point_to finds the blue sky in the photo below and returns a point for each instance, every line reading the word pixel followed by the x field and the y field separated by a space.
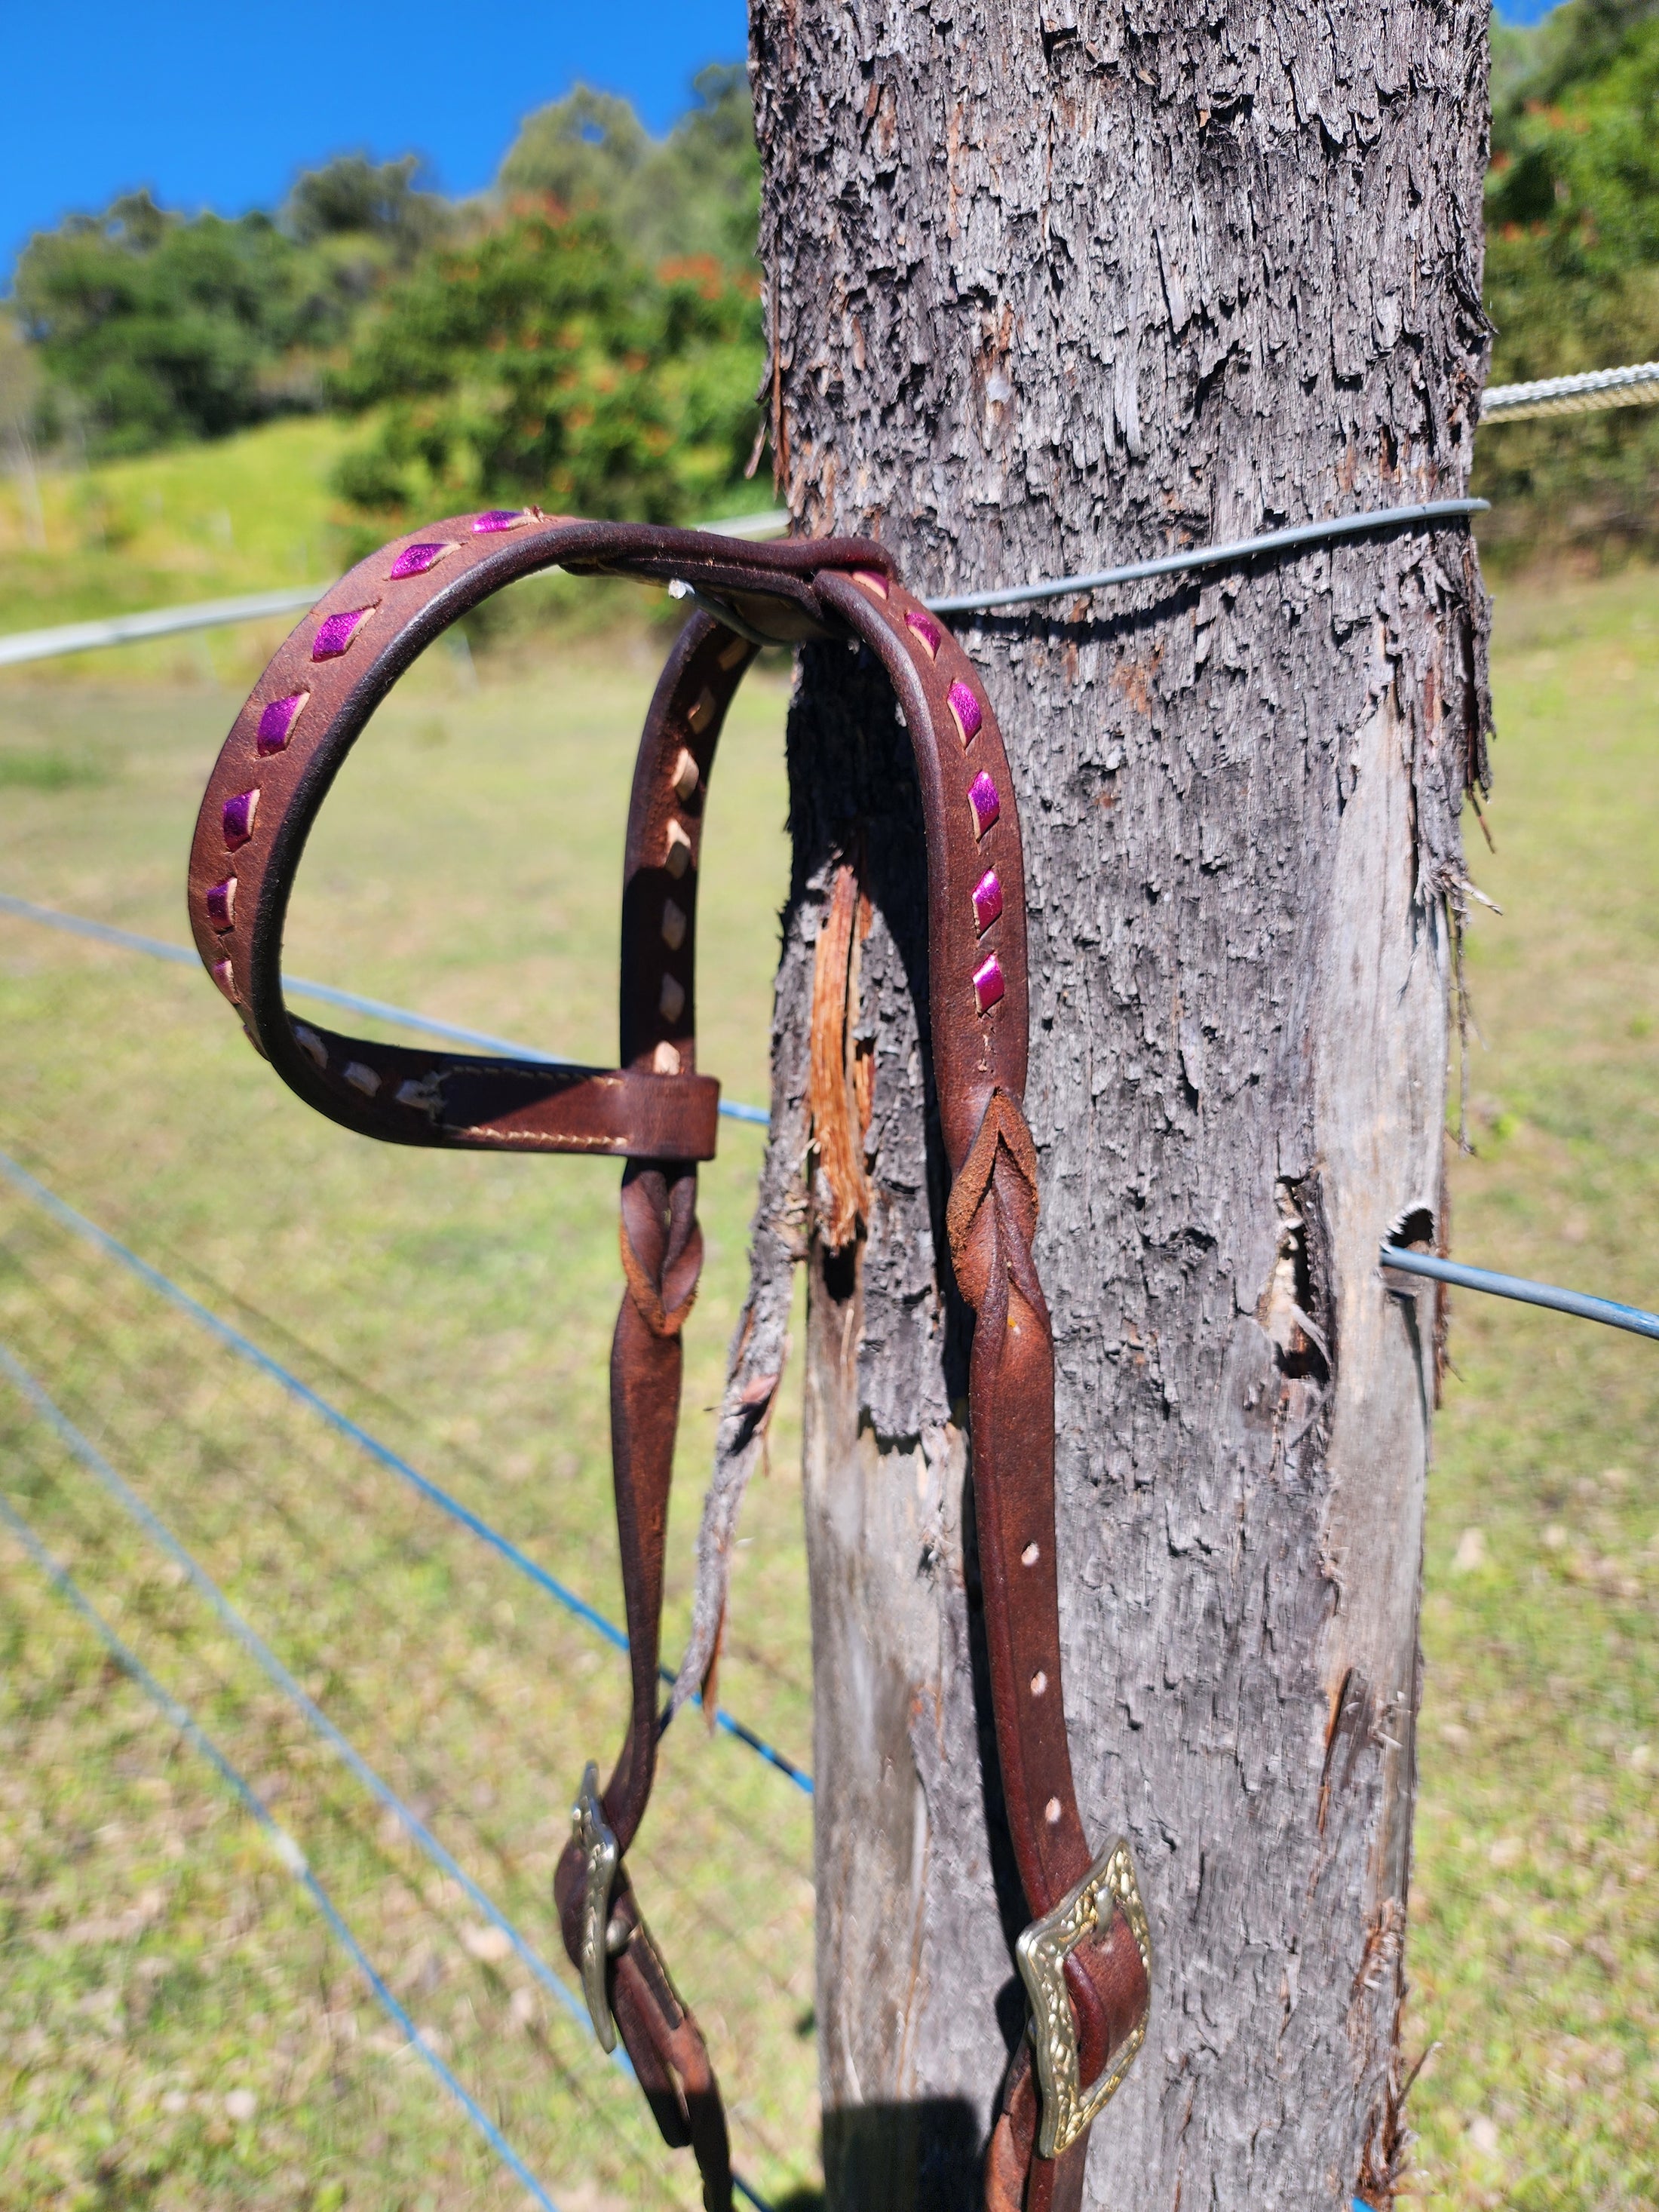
pixel 213 107
pixel 218 105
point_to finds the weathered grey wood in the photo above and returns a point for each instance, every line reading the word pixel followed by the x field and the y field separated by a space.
pixel 1055 284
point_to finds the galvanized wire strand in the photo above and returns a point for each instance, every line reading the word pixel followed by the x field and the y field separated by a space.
pixel 1591 394
pixel 17 647
pixel 22 645
pixel 1579 1302
pixel 80 637
pixel 298 987
pixel 254 1644
pixel 1231 555
pixel 90 1457
pixel 284 1848
pixel 245 1348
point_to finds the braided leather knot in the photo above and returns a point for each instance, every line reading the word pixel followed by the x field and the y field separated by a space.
pixel 661 1246
pixel 1001 1167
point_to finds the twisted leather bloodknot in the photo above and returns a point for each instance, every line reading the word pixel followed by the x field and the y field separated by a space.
pixel 661 1245
pixel 1002 1166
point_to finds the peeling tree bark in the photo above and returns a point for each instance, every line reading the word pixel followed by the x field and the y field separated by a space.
pixel 1056 284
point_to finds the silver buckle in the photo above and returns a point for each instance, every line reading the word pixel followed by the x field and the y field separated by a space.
pixel 601 1859
pixel 1042 1952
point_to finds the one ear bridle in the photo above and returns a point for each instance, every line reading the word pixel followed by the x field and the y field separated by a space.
pixel 1086 1957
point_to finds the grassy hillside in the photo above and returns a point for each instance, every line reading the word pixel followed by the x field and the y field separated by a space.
pixel 157 1966
pixel 248 513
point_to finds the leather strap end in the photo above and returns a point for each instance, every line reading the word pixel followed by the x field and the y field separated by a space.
pixel 663 2041
pixel 406 1096
pixel 672 2063
pixel 1015 2178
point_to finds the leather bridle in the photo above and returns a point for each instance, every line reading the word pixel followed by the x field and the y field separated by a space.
pixel 1085 1956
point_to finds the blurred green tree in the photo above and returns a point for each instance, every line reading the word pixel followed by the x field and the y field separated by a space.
pixel 151 327
pixel 539 361
pixel 696 192
pixel 1572 265
pixel 354 198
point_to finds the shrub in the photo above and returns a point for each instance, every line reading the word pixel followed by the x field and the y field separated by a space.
pixel 540 361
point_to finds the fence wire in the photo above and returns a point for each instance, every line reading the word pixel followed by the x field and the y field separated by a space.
pixel 233 1338
pixel 1591 393
pixel 82 1448
pixel 286 1852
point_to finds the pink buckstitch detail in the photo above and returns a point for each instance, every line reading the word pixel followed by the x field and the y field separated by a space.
pixel 336 633
pixel 987 901
pixel 238 817
pixel 416 560
pixel 925 629
pixel 982 798
pixel 276 723
pixel 987 984
pixel 965 711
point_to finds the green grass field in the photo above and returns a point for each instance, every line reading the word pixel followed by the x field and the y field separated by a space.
pixel 177 2028
pixel 462 1311
pixel 249 514
pixel 1535 1943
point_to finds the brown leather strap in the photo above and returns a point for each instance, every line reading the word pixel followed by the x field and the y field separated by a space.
pixel 1088 1967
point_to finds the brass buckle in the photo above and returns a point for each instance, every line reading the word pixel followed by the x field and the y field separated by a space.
pixel 1042 1951
pixel 601 1859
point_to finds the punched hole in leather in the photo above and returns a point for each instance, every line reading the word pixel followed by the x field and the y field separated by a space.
pixel 1086 1957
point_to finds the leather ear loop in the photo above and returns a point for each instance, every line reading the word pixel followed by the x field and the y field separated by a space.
pixel 321 686
pixel 407 1096
pixel 670 1118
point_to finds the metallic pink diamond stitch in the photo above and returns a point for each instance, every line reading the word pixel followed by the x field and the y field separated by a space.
pixel 416 560
pixel 988 900
pixel 982 798
pixel 276 723
pixel 238 817
pixel 987 984
pixel 335 633
pixel 966 708
pixel 500 518
pixel 221 903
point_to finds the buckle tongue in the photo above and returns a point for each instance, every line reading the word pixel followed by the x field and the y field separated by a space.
pixel 1041 1952
pixel 601 1859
